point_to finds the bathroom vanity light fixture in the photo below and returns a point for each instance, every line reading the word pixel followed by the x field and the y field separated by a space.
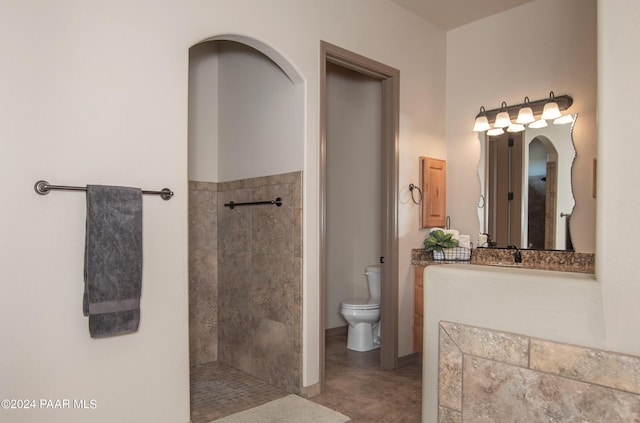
pixel 525 113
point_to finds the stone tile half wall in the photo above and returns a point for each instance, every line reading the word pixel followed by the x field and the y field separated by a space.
pixel 492 376
pixel 203 272
pixel 260 279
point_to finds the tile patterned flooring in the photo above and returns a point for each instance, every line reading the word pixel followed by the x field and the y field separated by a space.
pixel 355 386
pixel 358 387
pixel 218 390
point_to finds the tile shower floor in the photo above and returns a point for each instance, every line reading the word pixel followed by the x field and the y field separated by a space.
pixel 355 386
pixel 218 390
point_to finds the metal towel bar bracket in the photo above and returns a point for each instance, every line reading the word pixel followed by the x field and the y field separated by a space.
pixel 44 187
pixel 277 202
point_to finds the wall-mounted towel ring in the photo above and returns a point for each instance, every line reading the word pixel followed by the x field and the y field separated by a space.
pixel 411 188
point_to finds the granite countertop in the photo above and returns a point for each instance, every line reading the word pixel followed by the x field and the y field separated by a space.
pixel 561 261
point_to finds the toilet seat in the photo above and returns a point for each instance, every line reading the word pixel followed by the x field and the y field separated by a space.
pixel 361 304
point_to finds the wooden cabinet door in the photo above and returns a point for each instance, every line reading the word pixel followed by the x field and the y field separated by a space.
pixel 433 180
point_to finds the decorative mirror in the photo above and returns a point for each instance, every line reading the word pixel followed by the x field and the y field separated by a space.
pixel 526 192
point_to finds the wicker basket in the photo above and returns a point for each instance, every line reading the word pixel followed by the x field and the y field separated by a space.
pixel 452 254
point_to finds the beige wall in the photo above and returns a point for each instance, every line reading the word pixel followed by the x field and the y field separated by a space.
pixel 541 46
pixel 617 265
pixel 261 116
pixel 245 112
pixel 98 93
pixel 203 112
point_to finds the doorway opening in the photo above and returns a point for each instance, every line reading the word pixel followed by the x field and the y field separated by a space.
pixel 542 193
pixel 504 171
pixel 246 123
pixel 389 79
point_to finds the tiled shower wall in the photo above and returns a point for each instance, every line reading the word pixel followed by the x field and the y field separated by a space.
pixel 492 376
pixel 203 272
pixel 257 256
pixel 260 279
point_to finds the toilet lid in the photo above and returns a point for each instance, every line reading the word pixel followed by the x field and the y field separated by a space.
pixel 361 304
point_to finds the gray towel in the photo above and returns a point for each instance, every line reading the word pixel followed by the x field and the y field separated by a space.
pixel 113 260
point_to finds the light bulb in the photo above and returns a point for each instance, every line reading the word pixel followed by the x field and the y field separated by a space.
pixel 502 120
pixel 482 124
pixel 525 115
pixel 551 111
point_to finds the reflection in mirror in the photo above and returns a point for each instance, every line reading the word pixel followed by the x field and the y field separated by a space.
pixel 526 193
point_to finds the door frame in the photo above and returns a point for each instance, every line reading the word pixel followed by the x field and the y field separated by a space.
pixel 390 79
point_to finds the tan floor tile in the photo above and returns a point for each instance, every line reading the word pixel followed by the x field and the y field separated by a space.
pixel 356 386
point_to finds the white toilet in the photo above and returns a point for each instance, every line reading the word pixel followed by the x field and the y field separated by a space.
pixel 363 315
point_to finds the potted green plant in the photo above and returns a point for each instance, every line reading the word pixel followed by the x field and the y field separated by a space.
pixel 437 241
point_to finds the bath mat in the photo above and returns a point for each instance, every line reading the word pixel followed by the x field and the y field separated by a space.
pixel 289 409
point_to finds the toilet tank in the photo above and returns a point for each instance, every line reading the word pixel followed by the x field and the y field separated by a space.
pixel 373 280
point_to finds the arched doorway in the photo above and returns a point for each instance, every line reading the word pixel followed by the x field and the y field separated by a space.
pixel 246 132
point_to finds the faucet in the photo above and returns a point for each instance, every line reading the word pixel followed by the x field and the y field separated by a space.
pixel 517 255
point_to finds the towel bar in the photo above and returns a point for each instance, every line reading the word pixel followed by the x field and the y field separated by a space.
pixel 44 187
pixel 277 202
